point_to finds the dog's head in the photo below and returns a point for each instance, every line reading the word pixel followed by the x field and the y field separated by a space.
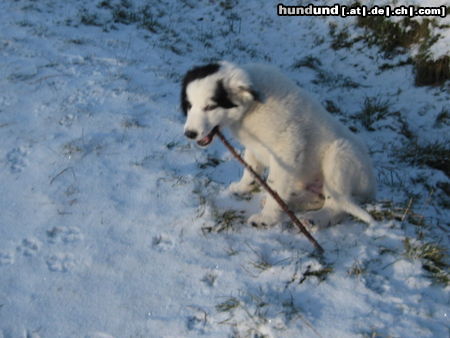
pixel 213 96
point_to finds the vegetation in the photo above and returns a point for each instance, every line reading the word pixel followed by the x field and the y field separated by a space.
pixel 399 37
pixel 435 155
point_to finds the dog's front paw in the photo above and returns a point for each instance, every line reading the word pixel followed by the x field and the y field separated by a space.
pixel 240 188
pixel 262 221
pixel 322 218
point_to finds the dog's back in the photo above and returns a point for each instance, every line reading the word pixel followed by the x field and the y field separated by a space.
pixel 290 120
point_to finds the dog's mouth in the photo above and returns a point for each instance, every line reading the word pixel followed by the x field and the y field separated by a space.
pixel 208 138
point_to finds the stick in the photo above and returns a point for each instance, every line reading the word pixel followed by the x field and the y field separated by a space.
pixel 272 192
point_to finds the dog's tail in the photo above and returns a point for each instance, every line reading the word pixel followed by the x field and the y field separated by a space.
pixel 354 209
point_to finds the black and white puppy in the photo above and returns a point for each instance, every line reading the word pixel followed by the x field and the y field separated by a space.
pixel 313 161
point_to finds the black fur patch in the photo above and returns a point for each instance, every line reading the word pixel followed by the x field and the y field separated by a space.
pixel 221 96
pixel 195 73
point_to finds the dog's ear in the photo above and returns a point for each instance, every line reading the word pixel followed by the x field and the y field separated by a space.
pixel 248 93
pixel 239 86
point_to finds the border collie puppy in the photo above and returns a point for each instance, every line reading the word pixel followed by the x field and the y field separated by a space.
pixel 314 162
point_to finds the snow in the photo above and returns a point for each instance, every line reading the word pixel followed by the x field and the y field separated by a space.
pixel 108 223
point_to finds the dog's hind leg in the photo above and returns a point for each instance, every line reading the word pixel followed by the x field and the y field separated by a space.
pixel 334 210
pixel 345 177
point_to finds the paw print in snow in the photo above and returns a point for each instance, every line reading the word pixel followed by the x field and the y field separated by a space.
pixel 197 321
pixel 162 243
pixel 65 235
pixel 61 262
pixel 209 279
pixel 6 258
pixel 29 247
pixel 17 159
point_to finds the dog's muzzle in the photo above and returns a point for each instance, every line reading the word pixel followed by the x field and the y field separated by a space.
pixel 204 141
pixel 190 134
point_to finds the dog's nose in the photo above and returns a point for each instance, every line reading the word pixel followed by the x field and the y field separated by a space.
pixel 190 134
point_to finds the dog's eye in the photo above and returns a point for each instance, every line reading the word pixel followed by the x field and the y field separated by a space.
pixel 186 106
pixel 210 107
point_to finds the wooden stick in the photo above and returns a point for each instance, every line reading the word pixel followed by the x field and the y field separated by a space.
pixel 272 192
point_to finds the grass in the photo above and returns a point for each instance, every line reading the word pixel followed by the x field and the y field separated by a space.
pixel 253 314
pixel 357 269
pixel 179 146
pixel 263 263
pixel 123 12
pixel 77 41
pixel 211 162
pixel 321 274
pixel 72 148
pixel 399 37
pixel 323 76
pixel 334 80
pixel 435 155
pixel 389 211
pixel 374 109
pixel 231 251
pixel 228 305
pixel 290 310
pixel 332 108
pixel 89 19
pixel 254 311
pixel 340 38
pixel 443 118
pixel 432 257
pixel 431 72
pixel 387 65
pixel 227 4
pixel 128 123
pixel 225 221
pixel 308 62
pixel 394 37
pixel 444 195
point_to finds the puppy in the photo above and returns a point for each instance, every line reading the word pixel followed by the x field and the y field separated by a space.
pixel 313 161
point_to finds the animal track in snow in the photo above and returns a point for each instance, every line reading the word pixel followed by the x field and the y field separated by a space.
pixel 162 243
pixel 209 279
pixel 18 332
pixel 6 258
pixel 67 120
pixel 61 262
pixel 64 234
pixel 6 101
pixel 17 159
pixel 29 247
pixel 197 321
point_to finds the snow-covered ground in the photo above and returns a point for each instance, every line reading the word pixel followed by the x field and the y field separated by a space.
pixel 112 224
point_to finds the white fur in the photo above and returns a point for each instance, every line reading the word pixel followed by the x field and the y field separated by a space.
pixel 311 158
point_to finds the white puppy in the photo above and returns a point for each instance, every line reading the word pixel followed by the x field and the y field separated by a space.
pixel 313 161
